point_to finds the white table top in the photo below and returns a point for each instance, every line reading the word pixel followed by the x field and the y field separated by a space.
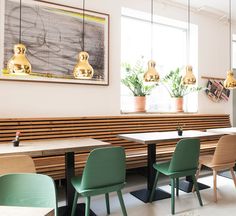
pixel 46 147
pixel 231 130
pixel 155 137
pixel 25 211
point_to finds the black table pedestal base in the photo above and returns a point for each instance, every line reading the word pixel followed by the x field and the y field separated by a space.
pixel 144 195
pixel 187 186
pixel 80 210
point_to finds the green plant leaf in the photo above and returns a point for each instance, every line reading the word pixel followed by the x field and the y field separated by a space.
pixel 133 78
pixel 173 83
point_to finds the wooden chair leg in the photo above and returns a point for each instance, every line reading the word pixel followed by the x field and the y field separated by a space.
pixel 197 175
pixel 154 187
pixel 172 195
pixel 215 184
pixel 87 208
pixel 74 204
pixel 233 176
pixel 197 190
pixel 198 171
pixel 177 186
pixel 107 203
pixel 122 203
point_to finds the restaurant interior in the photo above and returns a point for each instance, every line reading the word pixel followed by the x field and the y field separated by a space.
pixel 122 107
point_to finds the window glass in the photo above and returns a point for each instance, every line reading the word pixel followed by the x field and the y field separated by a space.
pixel 169 53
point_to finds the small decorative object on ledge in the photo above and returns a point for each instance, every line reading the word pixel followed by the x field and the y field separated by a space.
pixel 16 141
pixel 216 91
pixel 180 129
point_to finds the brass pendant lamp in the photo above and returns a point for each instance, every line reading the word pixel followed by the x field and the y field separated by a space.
pixel 230 82
pixel 189 78
pixel 151 75
pixel 18 63
pixel 83 70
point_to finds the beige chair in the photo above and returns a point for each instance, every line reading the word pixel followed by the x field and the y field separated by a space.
pixel 224 158
pixel 16 164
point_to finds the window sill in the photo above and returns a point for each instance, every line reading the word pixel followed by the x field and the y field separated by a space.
pixel 158 113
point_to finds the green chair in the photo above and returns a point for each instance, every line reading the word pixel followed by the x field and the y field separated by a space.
pixel 28 190
pixel 183 163
pixel 104 172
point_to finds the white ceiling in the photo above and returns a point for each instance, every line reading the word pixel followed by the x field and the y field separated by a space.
pixel 218 8
pixel 217 5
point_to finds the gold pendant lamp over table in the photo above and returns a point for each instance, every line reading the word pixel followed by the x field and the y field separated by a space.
pixel 83 70
pixel 19 64
pixel 151 75
pixel 189 78
pixel 230 82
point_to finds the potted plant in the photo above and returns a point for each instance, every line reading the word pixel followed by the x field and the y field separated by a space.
pixel 134 81
pixel 180 128
pixel 177 90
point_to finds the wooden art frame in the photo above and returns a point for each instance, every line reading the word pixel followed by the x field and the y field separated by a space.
pixel 52 34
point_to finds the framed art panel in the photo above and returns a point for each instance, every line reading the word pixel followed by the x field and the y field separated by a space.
pixel 52 34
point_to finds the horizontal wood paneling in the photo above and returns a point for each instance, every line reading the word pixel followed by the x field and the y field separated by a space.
pixel 106 128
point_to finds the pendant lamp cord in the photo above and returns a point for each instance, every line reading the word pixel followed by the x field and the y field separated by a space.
pixel 83 26
pixel 230 36
pixel 20 24
pixel 188 33
pixel 152 28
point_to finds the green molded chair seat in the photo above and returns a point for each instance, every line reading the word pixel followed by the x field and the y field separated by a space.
pixel 104 172
pixel 76 182
pixel 183 163
pixel 28 190
pixel 164 168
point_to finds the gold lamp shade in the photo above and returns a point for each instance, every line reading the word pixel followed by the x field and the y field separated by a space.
pixel 19 64
pixel 151 75
pixel 189 78
pixel 230 82
pixel 83 70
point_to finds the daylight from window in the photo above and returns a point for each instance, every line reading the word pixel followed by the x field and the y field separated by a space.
pixel 234 52
pixel 169 53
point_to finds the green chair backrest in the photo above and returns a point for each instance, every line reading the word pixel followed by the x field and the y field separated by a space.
pixel 186 155
pixel 28 190
pixel 104 167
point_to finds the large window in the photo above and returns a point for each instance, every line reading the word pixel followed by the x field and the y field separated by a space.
pixel 169 52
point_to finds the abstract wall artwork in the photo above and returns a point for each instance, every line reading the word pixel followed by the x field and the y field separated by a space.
pixel 52 34
pixel 216 91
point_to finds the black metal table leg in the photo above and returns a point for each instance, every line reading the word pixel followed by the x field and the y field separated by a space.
pixel 70 191
pixel 144 194
pixel 69 172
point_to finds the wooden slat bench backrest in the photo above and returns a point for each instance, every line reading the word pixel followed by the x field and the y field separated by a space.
pixel 106 128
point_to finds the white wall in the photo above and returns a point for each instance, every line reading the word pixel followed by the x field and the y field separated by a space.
pixel 24 99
